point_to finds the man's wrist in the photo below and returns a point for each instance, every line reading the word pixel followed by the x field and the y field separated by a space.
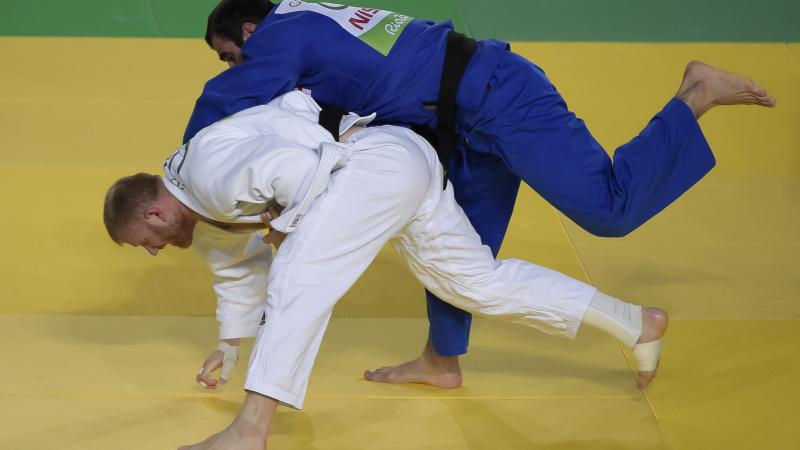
pixel 231 342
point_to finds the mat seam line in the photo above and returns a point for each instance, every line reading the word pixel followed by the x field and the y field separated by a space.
pixel 204 396
pixel 153 16
pixel 467 28
pixel 572 246
pixel 792 56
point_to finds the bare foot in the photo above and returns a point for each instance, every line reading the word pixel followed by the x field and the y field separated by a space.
pixel 704 87
pixel 248 431
pixel 230 439
pixel 654 325
pixel 430 368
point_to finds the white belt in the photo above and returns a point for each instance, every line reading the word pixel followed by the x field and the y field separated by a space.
pixel 332 156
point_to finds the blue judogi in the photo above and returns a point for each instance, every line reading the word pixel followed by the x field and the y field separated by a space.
pixel 512 123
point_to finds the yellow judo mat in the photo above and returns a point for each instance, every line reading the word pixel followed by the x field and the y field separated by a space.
pixel 101 343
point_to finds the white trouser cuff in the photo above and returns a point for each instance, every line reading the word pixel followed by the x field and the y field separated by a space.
pixel 284 397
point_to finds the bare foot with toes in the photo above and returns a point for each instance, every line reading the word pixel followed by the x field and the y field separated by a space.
pixel 430 368
pixel 704 87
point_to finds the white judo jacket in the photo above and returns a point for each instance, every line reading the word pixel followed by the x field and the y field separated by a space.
pixel 229 172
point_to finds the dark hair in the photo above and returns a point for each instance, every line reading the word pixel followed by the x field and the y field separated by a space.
pixel 227 18
pixel 126 199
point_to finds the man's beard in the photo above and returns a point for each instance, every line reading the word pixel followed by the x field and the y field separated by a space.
pixel 179 233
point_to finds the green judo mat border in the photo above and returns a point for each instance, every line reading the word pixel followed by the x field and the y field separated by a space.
pixel 513 20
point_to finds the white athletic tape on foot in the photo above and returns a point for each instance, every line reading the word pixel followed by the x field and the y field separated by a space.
pixel 647 355
pixel 615 317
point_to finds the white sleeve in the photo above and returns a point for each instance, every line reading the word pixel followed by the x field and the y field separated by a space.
pixel 240 265
pixel 228 175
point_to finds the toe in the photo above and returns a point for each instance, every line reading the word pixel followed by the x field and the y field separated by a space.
pixel 645 378
pixel 759 91
pixel 380 374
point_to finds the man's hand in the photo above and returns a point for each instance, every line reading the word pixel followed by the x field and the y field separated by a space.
pixel 225 356
pixel 274 236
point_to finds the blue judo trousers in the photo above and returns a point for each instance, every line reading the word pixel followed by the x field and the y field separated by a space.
pixel 512 124
pixel 523 130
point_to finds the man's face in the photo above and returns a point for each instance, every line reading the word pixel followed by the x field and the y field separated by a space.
pixel 228 51
pixel 159 229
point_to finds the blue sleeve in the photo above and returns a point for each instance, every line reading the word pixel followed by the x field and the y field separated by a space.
pixel 260 79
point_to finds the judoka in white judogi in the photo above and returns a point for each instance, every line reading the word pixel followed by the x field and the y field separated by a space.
pixel 342 202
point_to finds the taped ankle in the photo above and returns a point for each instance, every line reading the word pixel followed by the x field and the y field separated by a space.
pixel 615 317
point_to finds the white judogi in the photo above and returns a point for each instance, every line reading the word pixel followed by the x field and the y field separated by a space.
pixel 343 202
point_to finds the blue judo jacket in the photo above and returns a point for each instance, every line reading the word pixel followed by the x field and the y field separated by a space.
pixel 363 60
pixel 512 122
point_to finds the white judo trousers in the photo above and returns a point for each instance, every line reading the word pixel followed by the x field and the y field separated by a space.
pixel 391 190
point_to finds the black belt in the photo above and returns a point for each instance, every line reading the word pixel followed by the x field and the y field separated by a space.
pixel 456 57
pixel 330 117
pixel 459 50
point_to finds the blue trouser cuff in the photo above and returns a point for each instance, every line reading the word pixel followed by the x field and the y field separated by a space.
pixel 449 327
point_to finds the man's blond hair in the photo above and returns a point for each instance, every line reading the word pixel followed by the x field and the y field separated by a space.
pixel 126 201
